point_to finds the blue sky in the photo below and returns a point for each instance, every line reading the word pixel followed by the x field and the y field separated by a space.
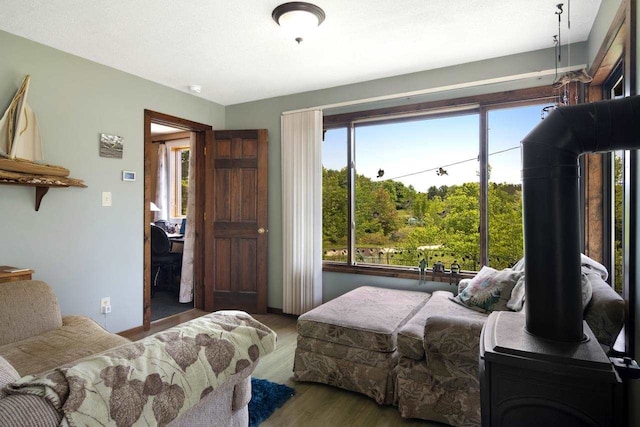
pixel 405 148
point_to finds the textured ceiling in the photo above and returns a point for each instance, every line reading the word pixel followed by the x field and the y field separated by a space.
pixel 237 53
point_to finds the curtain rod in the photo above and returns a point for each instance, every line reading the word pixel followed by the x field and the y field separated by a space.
pixel 475 83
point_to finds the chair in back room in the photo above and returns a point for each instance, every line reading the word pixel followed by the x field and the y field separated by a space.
pixel 162 259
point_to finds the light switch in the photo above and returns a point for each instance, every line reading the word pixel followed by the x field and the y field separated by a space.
pixel 106 198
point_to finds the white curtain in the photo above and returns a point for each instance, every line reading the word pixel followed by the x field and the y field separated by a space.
pixel 162 185
pixel 186 277
pixel 302 211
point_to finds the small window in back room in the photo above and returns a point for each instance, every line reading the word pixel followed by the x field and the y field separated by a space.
pixel 179 177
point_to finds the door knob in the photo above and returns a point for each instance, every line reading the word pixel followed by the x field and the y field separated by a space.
pixel 261 230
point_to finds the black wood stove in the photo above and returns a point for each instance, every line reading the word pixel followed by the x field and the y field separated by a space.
pixel 548 369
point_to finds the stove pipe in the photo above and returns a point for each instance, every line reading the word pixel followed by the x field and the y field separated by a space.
pixel 551 207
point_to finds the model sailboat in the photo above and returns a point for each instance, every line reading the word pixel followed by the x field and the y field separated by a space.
pixel 21 146
pixel 19 133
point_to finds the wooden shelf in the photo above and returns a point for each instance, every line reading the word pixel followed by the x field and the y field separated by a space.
pixel 23 172
pixel 12 274
pixel 41 188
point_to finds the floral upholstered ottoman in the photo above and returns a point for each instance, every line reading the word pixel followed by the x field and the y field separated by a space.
pixel 351 342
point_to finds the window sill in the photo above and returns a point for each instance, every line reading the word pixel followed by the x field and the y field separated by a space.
pixel 397 272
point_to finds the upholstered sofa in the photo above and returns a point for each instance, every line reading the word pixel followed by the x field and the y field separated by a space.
pixel 439 380
pixel 35 337
pixel 196 374
pixel 419 351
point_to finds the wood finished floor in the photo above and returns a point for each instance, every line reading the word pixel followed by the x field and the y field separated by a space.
pixel 314 405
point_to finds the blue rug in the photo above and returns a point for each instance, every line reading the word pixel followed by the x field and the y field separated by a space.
pixel 266 397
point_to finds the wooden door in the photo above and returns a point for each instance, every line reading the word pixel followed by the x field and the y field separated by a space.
pixel 235 242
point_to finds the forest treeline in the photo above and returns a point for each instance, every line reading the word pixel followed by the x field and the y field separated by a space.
pixel 395 224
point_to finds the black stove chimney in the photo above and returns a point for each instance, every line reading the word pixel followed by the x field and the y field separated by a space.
pixel 551 207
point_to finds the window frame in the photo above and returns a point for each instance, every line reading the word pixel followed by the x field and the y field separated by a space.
pixel 479 104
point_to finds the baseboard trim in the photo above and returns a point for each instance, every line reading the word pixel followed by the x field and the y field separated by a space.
pixel 273 310
pixel 131 332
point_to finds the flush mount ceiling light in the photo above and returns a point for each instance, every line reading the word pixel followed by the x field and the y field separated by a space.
pixel 298 18
pixel 195 88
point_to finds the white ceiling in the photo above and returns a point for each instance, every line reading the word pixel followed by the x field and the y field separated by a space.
pixel 237 53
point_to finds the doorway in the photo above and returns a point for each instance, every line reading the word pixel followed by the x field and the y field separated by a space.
pixel 169 158
pixel 164 233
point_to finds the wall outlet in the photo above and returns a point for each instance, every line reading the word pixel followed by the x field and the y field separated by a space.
pixel 105 305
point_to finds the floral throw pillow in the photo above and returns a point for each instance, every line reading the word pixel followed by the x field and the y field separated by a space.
pixel 490 290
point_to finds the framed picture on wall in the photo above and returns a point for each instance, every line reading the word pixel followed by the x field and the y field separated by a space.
pixel 111 146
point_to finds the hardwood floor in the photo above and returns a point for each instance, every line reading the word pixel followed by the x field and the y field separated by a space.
pixel 314 405
pixel 317 404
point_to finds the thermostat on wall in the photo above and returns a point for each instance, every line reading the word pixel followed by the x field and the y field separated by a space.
pixel 128 176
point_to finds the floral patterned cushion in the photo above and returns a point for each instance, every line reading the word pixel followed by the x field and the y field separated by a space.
pixel 366 317
pixel 489 290
pixel 411 335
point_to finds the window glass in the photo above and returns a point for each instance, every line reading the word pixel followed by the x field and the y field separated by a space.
pixel 415 186
pixel 179 177
pixel 184 181
pixel 618 158
pixel 507 128
pixel 416 192
pixel 335 205
pixel 618 215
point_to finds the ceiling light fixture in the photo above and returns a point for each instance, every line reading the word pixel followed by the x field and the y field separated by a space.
pixel 195 88
pixel 298 18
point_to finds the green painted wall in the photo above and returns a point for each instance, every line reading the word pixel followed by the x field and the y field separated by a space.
pixel 83 250
pixel 266 114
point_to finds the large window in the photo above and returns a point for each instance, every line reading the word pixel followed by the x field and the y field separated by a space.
pixel 406 191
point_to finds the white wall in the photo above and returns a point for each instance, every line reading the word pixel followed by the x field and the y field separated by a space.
pixel 83 250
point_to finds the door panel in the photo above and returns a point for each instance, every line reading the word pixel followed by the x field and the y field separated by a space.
pixel 248 257
pixel 223 270
pixel 248 186
pixel 235 232
pixel 222 187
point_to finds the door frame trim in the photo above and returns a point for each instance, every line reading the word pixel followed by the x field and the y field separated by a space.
pixel 200 130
